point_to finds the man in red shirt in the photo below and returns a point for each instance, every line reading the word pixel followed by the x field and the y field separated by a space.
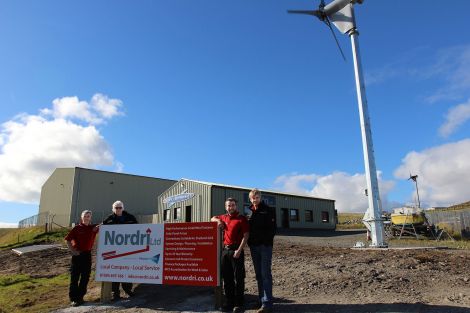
pixel 236 233
pixel 80 241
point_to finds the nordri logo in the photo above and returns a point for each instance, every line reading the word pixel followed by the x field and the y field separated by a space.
pixel 111 238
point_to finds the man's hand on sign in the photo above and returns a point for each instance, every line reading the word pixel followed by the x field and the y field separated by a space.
pixel 221 224
pixel 237 253
pixel 97 227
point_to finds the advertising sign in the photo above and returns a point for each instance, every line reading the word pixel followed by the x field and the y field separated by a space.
pixel 190 254
pixel 175 254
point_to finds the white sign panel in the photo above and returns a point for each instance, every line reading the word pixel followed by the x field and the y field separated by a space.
pixel 178 198
pixel 130 253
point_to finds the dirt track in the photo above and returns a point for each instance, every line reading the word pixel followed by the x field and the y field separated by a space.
pixel 313 272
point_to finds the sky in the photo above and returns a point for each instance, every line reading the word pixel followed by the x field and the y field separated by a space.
pixel 235 92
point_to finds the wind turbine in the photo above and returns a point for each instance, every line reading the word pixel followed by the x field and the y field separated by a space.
pixel 341 14
pixel 415 179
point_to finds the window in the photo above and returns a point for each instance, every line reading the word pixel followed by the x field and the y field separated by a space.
pixel 308 215
pixel 246 198
pixel 177 214
pixel 166 215
pixel 294 215
pixel 269 200
pixel 325 217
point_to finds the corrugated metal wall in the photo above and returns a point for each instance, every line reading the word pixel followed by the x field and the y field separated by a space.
pixel 200 203
pixel 302 205
pixel 69 191
pixel 56 195
pixel 317 206
pixel 97 191
pixel 220 194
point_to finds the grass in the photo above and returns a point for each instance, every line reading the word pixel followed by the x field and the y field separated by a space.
pixel 4 231
pixel 350 221
pixel 18 237
pixel 411 242
pixel 22 293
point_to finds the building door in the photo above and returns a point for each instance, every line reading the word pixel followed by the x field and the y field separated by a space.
pixel 285 218
pixel 188 215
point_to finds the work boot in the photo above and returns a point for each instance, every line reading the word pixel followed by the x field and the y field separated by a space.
pixel 264 309
pixel 116 298
pixel 238 309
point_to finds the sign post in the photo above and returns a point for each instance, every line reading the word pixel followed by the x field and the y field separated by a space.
pixel 218 294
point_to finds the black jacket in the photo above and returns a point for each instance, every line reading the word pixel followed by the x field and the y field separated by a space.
pixel 126 218
pixel 262 225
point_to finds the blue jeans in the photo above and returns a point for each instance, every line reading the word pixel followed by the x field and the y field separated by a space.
pixel 262 259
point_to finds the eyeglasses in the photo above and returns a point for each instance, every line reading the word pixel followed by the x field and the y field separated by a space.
pixel 118 207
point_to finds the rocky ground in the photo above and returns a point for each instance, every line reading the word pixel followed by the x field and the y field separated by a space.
pixel 312 271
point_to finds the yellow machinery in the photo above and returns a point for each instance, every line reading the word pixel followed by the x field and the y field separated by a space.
pixel 407 216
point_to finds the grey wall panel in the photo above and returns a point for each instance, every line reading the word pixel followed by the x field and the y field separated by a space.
pixel 220 194
pixel 302 204
pixel 316 205
pixel 200 203
pixel 56 195
pixel 97 191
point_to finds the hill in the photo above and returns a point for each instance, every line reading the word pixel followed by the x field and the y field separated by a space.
pixel 461 206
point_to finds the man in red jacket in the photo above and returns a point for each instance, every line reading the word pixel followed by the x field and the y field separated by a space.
pixel 236 235
pixel 80 241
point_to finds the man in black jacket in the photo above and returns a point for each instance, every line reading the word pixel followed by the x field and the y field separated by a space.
pixel 262 220
pixel 120 216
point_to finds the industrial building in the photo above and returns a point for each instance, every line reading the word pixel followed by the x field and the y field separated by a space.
pixel 195 201
pixel 69 191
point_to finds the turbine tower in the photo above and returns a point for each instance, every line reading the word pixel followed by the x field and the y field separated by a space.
pixel 341 14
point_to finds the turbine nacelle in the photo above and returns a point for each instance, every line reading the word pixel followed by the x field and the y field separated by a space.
pixel 339 13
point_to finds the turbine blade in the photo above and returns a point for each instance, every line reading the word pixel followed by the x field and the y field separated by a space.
pixel 328 23
pixel 316 13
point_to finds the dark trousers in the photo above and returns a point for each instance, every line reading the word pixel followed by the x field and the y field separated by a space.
pixel 115 288
pixel 79 275
pixel 233 275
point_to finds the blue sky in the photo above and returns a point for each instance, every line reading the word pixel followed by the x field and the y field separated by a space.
pixel 234 92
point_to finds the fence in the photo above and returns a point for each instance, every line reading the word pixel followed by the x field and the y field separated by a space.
pixel 62 220
pixel 456 221
pixel 46 219
pixel 40 219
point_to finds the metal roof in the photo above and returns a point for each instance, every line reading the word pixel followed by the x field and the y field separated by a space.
pixel 249 189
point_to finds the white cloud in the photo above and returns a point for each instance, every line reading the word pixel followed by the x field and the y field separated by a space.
pixel 450 67
pixel 96 112
pixel 346 189
pixel 106 107
pixel 443 173
pixel 8 225
pixel 33 146
pixel 455 117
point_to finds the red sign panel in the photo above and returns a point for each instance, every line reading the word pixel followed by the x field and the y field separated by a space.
pixel 191 254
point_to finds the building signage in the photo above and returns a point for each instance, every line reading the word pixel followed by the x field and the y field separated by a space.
pixel 174 254
pixel 178 198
